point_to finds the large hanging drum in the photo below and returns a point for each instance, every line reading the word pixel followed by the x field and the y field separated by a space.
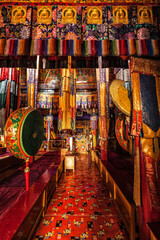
pixel 24 132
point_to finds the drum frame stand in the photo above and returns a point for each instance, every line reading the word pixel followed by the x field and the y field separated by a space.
pixel 26 171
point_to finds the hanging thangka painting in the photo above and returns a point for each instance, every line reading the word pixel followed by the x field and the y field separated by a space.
pixel 130 23
pixel 69 29
pixel 2 28
pixel 44 30
pixel 121 21
pixel 69 22
pixel 49 79
pixel 146 29
pixel 95 26
pixel 18 30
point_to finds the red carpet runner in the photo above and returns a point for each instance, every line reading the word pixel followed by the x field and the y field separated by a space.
pixel 81 208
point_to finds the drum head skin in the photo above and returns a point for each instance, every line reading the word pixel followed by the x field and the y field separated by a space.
pixel 32 131
pixel 24 132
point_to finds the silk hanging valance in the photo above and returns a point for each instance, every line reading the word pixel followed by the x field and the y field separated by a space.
pixel 63 30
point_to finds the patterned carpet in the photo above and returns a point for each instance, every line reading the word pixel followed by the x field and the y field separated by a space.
pixel 81 208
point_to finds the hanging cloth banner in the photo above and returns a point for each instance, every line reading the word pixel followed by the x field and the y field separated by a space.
pixel 102 75
pixel 80 30
pixel 95 31
pixel 67 101
pixel 69 30
pixel 18 29
pixel 44 30
pixel 2 29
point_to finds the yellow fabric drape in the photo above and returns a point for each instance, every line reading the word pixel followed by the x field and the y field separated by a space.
pixel 135 131
pixel 67 100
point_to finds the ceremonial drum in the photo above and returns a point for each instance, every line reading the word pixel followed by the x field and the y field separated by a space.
pixel 24 132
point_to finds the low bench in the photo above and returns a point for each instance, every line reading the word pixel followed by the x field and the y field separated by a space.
pixel 119 182
pixel 22 219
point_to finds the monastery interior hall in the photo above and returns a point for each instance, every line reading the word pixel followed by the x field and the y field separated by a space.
pixel 80 119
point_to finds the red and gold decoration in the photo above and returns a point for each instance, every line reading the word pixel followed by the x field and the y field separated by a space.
pixel 75 30
pixel 44 30
pixel 18 28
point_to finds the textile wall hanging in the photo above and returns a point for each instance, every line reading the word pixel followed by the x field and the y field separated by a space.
pixel 44 30
pixel 102 75
pixel 69 28
pixel 67 101
pixel 2 29
pixel 18 29
pixel 95 31
pixel 32 87
pixel 9 93
pixel 147 32
pixel 121 30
